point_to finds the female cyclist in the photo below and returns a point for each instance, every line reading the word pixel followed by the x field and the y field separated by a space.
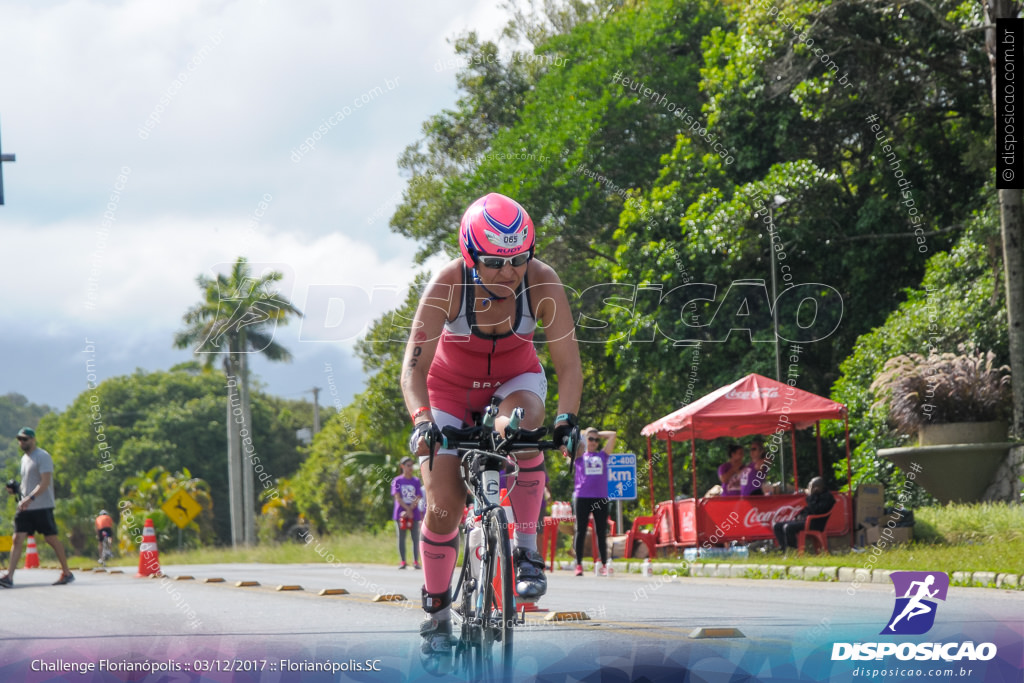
pixel 471 340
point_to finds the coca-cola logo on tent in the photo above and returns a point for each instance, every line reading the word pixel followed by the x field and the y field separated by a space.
pixel 769 392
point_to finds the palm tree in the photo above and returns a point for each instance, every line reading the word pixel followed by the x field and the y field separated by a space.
pixel 237 317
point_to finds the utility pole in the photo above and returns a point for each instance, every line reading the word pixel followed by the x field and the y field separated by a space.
pixel 316 410
pixel 3 158
pixel 777 201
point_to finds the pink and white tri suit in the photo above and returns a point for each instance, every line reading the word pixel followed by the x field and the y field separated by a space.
pixel 469 367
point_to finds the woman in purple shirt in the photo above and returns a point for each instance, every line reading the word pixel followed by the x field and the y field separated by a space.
pixel 590 496
pixel 407 492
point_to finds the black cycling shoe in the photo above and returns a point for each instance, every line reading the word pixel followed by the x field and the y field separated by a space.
pixel 530 579
pixel 436 652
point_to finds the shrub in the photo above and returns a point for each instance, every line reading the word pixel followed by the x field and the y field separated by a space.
pixel 941 388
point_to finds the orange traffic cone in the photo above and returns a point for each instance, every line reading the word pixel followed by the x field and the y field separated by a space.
pixel 149 556
pixel 31 554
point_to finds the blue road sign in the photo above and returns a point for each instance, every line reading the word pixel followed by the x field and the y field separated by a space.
pixel 621 476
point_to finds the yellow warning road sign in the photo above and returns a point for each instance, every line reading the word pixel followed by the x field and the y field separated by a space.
pixel 181 508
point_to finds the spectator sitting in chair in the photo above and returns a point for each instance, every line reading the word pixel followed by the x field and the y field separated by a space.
pixel 819 501
pixel 729 471
pixel 752 484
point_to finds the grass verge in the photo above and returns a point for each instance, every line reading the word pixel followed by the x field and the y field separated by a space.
pixel 356 548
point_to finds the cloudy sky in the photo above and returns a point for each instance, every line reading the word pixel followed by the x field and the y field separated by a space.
pixel 158 141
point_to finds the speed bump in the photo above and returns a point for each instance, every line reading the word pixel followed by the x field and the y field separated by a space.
pixel 567 616
pixel 289 587
pixel 243 584
pixel 333 591
pixel 213 579
pixel 117 571
pixel 389 597
pixel 704 632
pixel 184 577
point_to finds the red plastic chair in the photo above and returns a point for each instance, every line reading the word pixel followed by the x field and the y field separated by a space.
pixel 818 536
pixel 648 538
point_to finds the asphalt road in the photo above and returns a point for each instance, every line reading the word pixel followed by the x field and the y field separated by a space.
pixel 638 627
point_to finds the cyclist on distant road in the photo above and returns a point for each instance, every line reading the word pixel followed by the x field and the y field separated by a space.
pixel 472 338
pixel 104 529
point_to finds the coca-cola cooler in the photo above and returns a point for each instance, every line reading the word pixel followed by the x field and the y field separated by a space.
pixel 723 519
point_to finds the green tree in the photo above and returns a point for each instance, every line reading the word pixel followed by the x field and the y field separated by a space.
pixel 634 199
pixel 75 519
pixel 280 519
pixel 237 316
pixel 16 411
pixel 1012 231
pixel 959 302
pixel 172 418
pixel 142 497
pixel 344 483
pixel 576 124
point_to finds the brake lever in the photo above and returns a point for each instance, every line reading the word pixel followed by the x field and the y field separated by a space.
pixel 431 443
pixel 571 448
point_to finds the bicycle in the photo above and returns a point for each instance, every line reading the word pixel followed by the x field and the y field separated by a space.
pixel 106 552
pixel 486 584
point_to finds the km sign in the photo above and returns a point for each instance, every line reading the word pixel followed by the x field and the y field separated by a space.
pixel 621 476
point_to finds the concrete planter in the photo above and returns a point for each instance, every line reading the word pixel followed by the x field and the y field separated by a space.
pixel 962 432
pixel 955 462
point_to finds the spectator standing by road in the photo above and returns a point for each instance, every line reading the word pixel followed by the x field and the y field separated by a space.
pixel 590 496
pixel 35 509
pixel 407 492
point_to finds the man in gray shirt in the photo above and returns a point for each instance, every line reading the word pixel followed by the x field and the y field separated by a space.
pixel 35 509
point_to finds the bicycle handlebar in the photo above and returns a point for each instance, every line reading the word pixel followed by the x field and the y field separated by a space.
pixel 480 438
pixel 484 437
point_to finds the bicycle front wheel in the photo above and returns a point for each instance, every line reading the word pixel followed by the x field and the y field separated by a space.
pixel 499 601
pixel 465 598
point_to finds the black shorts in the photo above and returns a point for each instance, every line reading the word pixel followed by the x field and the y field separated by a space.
pixel 105 532
pixel 35 522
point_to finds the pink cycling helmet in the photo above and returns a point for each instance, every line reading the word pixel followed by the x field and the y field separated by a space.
pixel 495 225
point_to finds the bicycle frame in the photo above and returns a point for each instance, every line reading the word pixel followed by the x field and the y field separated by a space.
pixel 106 550
pixel 488 608
pixel 487 604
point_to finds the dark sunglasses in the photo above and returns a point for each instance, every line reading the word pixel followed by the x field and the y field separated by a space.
pixel 592 438
pixel 23 438
pixel 497 262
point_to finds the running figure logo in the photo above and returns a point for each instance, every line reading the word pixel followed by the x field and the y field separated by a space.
pixel 914 612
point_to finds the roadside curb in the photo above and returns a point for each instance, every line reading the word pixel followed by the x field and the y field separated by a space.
pixel 826 574
pixel 860 575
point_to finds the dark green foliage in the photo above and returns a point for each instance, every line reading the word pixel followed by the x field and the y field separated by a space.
pixel 960 302
pixel 16 412
pixel 174 419
pixel 878 153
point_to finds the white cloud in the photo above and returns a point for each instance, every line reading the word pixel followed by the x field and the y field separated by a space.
pixel 143 276
pixel 80 78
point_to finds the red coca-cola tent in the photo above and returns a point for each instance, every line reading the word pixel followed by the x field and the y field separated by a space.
pixel 753 405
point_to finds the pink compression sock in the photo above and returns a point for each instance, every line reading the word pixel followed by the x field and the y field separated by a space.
pixel 439 552
pixel 527 498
